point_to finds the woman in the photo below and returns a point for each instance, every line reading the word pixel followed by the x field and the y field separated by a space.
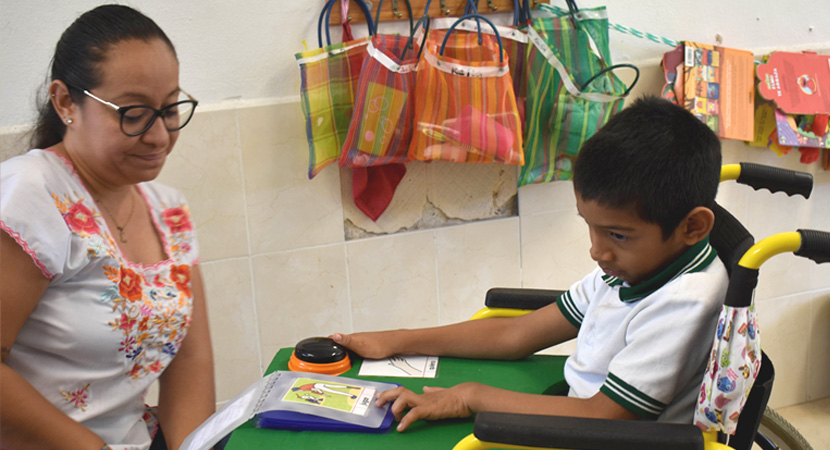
pixel 100 293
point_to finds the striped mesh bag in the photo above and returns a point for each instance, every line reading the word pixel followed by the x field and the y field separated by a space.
pixel 571 90
pixel 381 125
pixel 514 41
pixel 467 108
pixel 328 80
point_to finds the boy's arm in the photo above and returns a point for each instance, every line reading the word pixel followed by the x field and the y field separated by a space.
pixel 466 399
pixel 497 338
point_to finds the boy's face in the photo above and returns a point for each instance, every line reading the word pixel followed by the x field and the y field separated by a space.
pixel 626 246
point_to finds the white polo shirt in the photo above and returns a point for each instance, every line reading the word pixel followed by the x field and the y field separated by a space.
pixel 646 346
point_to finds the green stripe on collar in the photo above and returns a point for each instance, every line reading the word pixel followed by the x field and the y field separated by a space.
pixel 695 259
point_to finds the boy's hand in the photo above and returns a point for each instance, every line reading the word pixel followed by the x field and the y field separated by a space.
pixel 435 403
pixel 373 345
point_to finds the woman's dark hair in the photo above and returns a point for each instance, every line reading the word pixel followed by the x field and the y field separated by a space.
pixel 654 157
pixel 78 54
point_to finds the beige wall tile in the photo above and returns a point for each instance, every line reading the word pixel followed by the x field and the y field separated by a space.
pixel 393 282
pixel 555 250
pixel 785 337
pixel 13 144
pixel 300 294
pixel 547 197
pixel 818 366
pixel 286 210
pixel 232 325
pixel 472 259
pixel 205 165
pixel 820 203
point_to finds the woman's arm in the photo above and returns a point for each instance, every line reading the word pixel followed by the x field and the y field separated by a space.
pixel 498 338
pixel 187 392
pixel 27 419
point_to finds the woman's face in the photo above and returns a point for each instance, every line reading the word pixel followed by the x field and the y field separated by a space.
pixel 134 72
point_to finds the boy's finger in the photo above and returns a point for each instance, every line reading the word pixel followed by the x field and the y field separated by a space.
pixel 412 416
pixel 390 395
pixel 342 339
pixel 405 400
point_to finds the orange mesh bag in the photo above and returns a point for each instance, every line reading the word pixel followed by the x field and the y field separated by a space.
pixel 467 110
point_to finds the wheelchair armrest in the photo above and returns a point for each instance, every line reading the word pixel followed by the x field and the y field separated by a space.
pixel 585 434
pixel 518 298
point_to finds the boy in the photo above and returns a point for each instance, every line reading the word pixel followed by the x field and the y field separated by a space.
pixel 644 319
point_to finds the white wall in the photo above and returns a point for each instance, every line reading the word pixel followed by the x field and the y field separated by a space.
pixel 245 50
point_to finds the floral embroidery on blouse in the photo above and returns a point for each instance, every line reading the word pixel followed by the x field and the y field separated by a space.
pixel 149 316
pixel 149 303
pixel 79 218
pixel 178 220
pixel 79 397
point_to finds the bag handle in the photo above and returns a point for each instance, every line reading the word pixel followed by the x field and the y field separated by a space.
pixel 425 20
pixel 611 68
pixel 326 14
pixel 394 8
pixel 519 16
pixel 472 8
pixel 474 16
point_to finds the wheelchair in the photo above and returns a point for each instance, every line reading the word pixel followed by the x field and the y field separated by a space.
pixel 742 258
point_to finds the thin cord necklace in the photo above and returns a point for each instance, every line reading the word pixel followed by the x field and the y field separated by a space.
pixel 126 222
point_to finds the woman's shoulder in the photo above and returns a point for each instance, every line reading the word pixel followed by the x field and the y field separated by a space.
pixel 37 156
pixel 36 166
pixel 38 174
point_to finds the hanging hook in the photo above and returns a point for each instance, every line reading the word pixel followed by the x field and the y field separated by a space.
pixel 395 9
pixel 492 7
pixel 444 9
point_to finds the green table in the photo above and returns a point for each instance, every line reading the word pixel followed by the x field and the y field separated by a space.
pixel 541 374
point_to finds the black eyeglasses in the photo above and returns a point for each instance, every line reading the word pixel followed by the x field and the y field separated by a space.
pixel 137 119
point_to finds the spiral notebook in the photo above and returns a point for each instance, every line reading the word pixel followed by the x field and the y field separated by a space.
pixel 299 401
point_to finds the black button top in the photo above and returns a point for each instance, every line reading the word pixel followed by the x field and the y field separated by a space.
pixel 319 350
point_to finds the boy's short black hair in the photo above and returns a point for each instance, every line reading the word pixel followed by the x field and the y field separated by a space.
pixel 655 157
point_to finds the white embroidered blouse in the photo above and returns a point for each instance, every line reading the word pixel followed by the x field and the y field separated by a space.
pixel 105 328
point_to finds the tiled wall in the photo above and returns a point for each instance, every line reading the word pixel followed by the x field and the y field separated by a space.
pixel 278 268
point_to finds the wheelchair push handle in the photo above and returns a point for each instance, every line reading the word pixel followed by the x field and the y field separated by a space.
pixel 812 244
pixel 775 179
pixel 815 245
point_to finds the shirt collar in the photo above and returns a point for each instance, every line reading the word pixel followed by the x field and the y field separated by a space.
pixel 695 259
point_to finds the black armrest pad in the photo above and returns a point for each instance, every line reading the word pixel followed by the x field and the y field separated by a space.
pixel 518 298
pixel 585 434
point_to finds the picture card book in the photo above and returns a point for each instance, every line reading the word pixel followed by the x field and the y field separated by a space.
pixel 299 401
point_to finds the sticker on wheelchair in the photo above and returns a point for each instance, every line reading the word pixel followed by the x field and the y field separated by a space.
pixel 326 394
pixel 408 366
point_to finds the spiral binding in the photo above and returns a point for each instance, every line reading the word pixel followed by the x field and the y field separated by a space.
pixel 266 392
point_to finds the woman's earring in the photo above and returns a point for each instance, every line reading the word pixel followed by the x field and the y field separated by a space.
pixel 69 120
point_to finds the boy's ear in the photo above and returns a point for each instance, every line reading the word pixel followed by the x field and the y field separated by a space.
pixel 696 225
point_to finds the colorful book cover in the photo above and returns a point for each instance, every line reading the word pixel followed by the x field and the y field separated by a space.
pixel 718 88
pixel 798 83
